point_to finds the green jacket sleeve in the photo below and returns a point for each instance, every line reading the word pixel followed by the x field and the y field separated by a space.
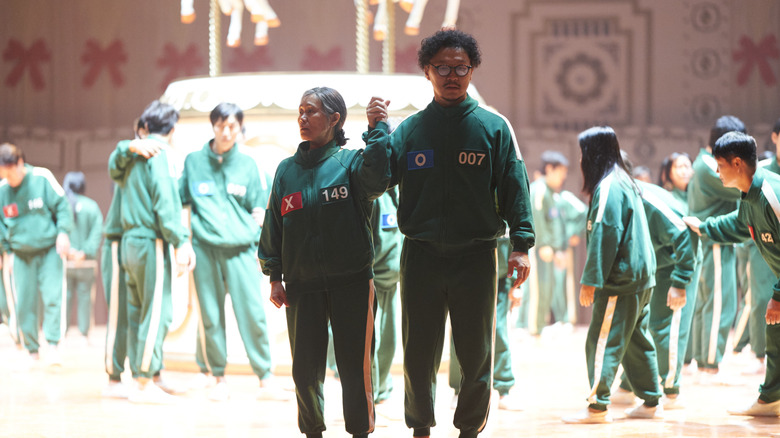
pixel 512 190
pixel 95 220
pixel 728 228
pixel 371 170
pixel 668 228
pixel 165 200
pixel 575 213
pixel 184 186
pixel 118 161
pixel 603 239
pixel 270 249
pixel 59 207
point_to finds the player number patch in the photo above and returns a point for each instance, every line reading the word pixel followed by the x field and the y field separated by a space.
pixel 471 158
pixel 335 193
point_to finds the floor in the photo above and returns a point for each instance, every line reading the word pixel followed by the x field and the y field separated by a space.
pixel 551 379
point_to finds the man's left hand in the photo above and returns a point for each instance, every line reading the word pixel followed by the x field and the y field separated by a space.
pixel 518 261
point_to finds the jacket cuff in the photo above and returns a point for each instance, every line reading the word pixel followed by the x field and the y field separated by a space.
pixel 520 245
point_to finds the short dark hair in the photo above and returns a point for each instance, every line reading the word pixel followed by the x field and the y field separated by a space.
pixel 225 110
pixel 430 46
pixel 736 144
pixel 159 118
pixel 10 154
pixel 600 155
pixel 723 125
pixel 332 103
pixel 776 128
pixel 554 159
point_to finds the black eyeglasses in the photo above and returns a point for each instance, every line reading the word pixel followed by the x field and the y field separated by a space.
pixel 444 70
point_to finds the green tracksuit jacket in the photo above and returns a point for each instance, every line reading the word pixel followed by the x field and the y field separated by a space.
pixel 316 233
pixel 452 161
pixel 35 212
pixel 758 218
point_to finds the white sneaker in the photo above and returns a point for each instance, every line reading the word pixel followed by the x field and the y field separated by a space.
pixel 152 394
pixel 756 368
pixel 623 397
pixel 271 390
pixel 220 392
pixel 168 388
pixel 202 381
pixel 759 410
pixel 645 412
pixel 53 356
pixel 587 416
pixel 671 404
pixel 116 390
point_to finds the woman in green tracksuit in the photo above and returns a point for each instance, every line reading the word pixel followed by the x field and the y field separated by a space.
pixel 84 245
pixel 38 219
pixel 618 278
pixel 716 300
pixel 316 238
pixel 674 296
pixel 223 186
pixel 758 218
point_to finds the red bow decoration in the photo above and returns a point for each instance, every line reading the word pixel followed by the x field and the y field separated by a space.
pixel 752 55
pixel 26 60
pixel 315 60
pixel 255 60
pixel 100 59
pixel 178 64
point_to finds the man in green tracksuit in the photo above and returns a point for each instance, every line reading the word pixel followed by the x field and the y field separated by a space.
pixel 387 259
pixel 674 296
pixel 548 286
pixel 153 235
pixel 223 186
pixel 84 245
pixel 716 302
pixel 38 219
pixel 460 176
pixel 758 218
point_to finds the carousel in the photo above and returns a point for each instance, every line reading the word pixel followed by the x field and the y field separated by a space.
pixel 270 102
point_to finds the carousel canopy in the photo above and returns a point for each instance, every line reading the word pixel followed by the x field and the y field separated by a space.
pixel 280 93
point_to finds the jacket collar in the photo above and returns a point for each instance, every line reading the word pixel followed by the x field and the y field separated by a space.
pixel 754 192
pixel 459 110
pixel 220 158
pixel 309 158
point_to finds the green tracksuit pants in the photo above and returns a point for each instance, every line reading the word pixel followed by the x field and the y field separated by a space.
pixel 618 334
pixel 670 330
pixel 230 270
pixel 351 315
pixel 115 289
pixel 751 321
pixel 80 283
pixel 548 288
pixel 770 389
pixel 716 304
pixel 5 313
pixel 503 377
pixel 385 334
pixel 39 277
pixel 432 285
pixel 147 263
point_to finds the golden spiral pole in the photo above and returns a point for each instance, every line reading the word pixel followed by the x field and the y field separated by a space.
pixel 361 36
pixel 388 47
pixel 215 50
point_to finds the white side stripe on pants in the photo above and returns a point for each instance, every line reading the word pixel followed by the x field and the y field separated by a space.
pixel 674 347
pixel 64 308
pixel 717 306
pixel 155 318
pixel 10 296
pixel 113 308
pixel 601 346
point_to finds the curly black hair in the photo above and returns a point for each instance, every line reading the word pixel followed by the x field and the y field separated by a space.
pixel 430 46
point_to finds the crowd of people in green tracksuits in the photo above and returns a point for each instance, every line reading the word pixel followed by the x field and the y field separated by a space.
pixel 435 218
